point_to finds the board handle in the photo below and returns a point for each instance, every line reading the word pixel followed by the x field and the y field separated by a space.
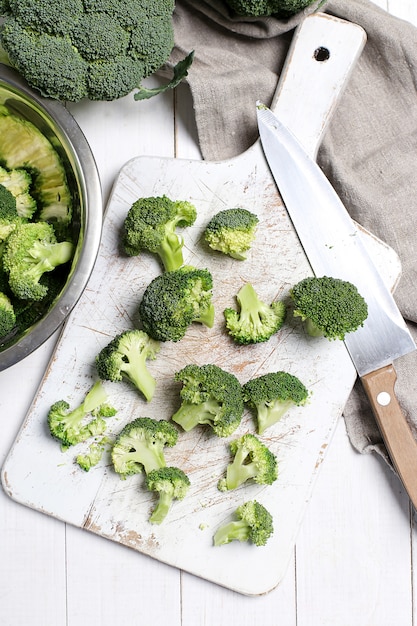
pixel 399 440
pixel 322 55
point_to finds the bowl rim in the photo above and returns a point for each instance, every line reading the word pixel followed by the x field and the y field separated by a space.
pixel 90 191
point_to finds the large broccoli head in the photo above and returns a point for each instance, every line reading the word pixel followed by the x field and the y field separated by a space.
pixel 96 49
pixel 263 8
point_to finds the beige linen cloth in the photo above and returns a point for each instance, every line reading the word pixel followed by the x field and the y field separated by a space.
pixel 369 152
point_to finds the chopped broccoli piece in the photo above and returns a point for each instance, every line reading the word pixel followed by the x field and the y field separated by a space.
pixel 151 225
pixel 125 357
pixel 7 315
pixel 96 49
pixel 264 8
pixel 30 251
pixel 256 321
pixel 18 182
pixel 252 461
pixel 9 217
pixel 209 395
pixel 94 454
pixel 140 445
pixel 171 484
pixel 272 394
pixel 254 524
pixel 232 231
pixel 69 426
pixel 329 307
pixel 174 300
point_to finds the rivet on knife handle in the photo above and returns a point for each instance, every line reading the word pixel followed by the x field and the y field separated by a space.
pixel 398 437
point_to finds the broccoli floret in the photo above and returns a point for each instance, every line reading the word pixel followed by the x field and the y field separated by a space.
pixel 256 321
pixel 209 395
pixel 254 524
pixel 232 231
pixel 263 8
pixel 252 461
pixel 171 483
pixel 151 225
pixel 125 357
pixel 94 454
pixel 140 445
pixel 272 394
pixel 7 315
pixel 69 426
pixel 329 307
pixel 18 182
pixel 97 49
pixel 174 300
pixel 30 251
pixel 9 217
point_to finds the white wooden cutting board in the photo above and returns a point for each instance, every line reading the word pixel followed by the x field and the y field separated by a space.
pixel 39 475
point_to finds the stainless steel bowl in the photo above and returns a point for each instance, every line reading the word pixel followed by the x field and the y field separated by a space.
pixel 58 125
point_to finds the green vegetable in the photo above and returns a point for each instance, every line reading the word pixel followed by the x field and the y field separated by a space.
pixel 94 454
pixel 9 217
pixel 140 445
pixel 254 524
pixel 18 181
pixel 330 307
pixel 256 321
pixel 209 395
pixel 261 8
pixel 30 251
pixel 23 146
pixel 171 484
pixel 232 231
pixel 272 394
pixel 7 315
pixel 174 300
pixel 252 461
pixel 70 426
pixel 125 357
pixel 151 225
pixel 96 49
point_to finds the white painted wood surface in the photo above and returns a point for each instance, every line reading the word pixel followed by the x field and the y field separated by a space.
pixel 352 564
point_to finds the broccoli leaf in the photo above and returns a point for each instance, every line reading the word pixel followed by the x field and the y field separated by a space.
pixel 180 72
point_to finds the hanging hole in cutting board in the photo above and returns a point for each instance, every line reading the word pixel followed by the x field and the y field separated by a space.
pixel 322 54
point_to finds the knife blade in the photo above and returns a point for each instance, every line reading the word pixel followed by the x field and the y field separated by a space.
pixel 334 247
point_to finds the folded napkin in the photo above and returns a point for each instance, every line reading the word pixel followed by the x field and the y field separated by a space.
pixel 369 152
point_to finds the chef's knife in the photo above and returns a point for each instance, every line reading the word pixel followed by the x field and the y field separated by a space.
pixel 334 247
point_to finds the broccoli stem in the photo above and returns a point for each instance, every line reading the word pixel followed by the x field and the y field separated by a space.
pixel 238 530
pixel 207 318
pixel 136 370
pixel 269 413
pixel 161 510
pixel 170 250
pixel 94 398
pixel 238 471
pixel 190 415
pixel 312 329
pixel 251 307
pixel 150 458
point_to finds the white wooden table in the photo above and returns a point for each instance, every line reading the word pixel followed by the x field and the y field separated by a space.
pixel 353 561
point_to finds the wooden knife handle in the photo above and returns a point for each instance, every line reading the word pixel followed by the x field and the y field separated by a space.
pixel 398 437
